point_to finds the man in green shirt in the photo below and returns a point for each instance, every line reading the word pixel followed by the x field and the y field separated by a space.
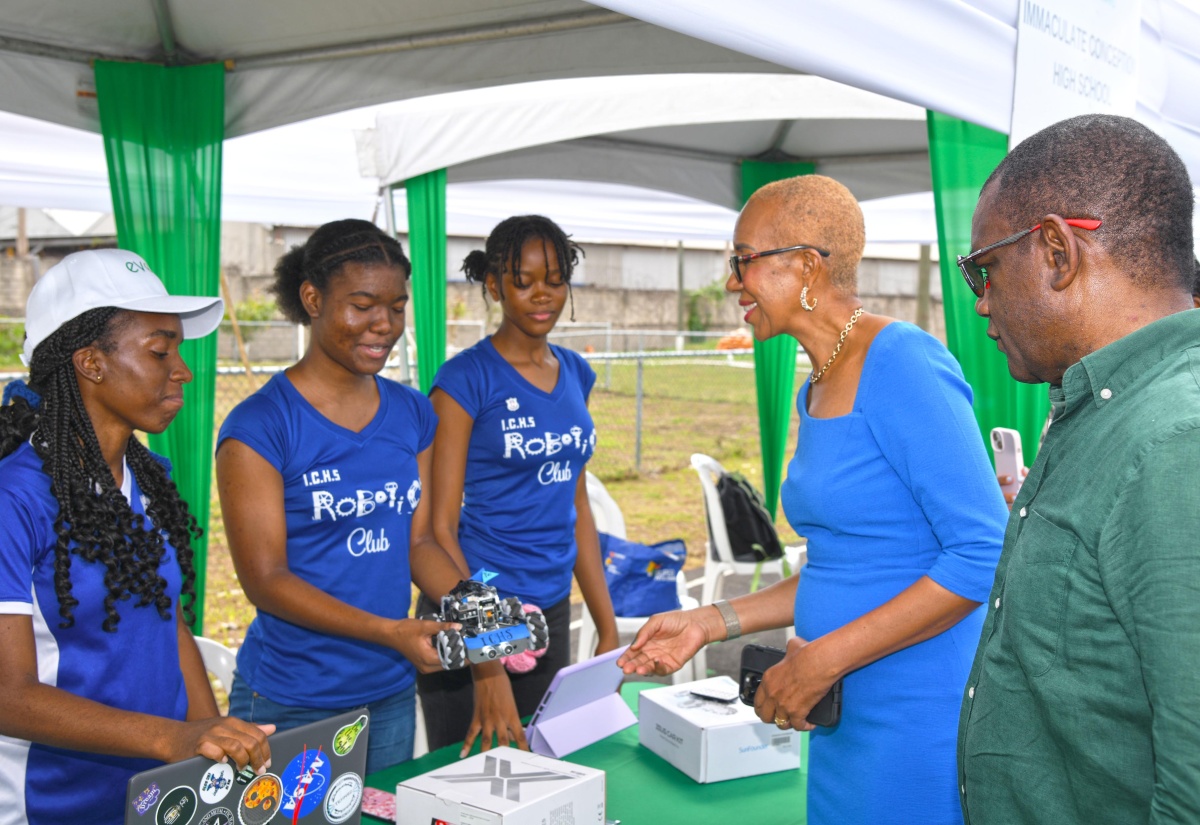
pixel 1083 704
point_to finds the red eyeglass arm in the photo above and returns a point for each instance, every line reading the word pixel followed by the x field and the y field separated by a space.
pixel 1082 223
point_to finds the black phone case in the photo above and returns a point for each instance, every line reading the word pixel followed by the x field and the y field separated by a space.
pixel 756 659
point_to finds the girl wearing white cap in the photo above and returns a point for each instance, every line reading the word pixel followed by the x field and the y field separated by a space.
pixel 99 675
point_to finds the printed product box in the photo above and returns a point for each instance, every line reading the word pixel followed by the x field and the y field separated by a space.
pixel 504 786
pixel 712 741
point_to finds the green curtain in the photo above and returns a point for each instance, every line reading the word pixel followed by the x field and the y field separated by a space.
pixel 426 197
pixel 774 359
pixel 961 157
pixel 162 130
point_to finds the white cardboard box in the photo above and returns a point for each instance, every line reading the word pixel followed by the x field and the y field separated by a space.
pixel 712 741
pixel 504 786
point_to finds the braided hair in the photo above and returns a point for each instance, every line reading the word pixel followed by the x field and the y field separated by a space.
pixel 325 253
pixel 95 521
pixel 503 249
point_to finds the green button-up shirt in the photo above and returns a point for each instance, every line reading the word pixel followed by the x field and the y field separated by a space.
pixel 1083 704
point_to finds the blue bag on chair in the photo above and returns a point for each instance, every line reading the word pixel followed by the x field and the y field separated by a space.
pixel 641 578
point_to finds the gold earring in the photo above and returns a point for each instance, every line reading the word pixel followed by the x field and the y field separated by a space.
pixel 804 301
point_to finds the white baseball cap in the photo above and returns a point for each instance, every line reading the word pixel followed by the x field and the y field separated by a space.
pixel 108 278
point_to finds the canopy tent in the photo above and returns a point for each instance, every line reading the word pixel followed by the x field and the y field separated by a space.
pixel 307 173
pixel 678 133
pixel 957 57
pixel 290 60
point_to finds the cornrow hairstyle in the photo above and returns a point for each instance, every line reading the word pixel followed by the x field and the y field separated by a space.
pixel 95 522
pixel 1114 169
pixel 503 249
pixel 327 250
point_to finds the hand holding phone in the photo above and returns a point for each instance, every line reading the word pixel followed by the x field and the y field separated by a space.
pixel 1006 447
pixel 757 659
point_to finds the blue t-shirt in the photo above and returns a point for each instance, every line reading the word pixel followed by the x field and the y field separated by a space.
pixel 348 498
pixel 135 669
pixel 527 451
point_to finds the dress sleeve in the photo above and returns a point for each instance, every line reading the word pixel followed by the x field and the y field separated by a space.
pixel 1151 575
pixel 462 379
pixel 258 423
pixel 918 407
pixel 20 535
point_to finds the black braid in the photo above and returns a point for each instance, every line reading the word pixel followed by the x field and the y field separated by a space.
pixel 95 522
pixel 504 245
pixel 326 251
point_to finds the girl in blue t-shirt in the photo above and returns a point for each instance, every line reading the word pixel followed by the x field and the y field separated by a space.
pixel 99 676
pixel 320 474
pixel 509 494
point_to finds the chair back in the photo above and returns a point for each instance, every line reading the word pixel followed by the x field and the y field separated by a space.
pixel 710 472
pixel 219 660
pixel 605 511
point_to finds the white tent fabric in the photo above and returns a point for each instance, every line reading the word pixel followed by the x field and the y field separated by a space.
pixel 307 173
pixel 952 56
pixel 291 60
pixel 443 131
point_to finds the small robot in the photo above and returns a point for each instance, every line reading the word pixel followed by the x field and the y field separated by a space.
pixel 491 627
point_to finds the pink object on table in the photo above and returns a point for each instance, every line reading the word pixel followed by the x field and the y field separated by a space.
pixel 526 660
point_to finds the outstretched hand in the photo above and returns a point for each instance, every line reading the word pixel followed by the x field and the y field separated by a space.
pixel 417 640
pixel 665 643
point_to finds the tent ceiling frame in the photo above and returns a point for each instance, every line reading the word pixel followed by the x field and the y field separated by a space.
pixel 771 154
pixel 475 34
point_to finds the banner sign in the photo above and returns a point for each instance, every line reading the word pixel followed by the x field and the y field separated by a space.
pixel 1074 57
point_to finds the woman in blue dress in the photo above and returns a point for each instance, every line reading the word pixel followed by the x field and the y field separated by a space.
pixel 513 439
pixel 893 490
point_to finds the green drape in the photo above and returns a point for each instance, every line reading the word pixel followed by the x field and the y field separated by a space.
pixel 163 129
pixel 426 197
pixel 961 156
pixel 774 359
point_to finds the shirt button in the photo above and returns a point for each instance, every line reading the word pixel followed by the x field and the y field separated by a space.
pixel 1106 393
pixel 1023 512
pixel 962 789
pixel 997 603
pixel 971 692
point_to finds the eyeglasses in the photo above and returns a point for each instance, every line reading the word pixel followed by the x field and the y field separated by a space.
pixel 736 261
pixel 976 276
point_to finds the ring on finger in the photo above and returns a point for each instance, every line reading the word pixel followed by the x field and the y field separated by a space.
pixel 782 723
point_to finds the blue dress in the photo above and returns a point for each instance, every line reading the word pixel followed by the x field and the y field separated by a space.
pixel 899 488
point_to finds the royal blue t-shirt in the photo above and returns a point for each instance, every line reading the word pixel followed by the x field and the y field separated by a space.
pixel 527 451
pixel 135 669
pixel 348 498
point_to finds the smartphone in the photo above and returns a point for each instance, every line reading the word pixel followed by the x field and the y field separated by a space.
pixel 1006 447
pixel 757 659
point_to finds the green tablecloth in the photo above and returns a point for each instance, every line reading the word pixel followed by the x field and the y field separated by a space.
pixel 643 789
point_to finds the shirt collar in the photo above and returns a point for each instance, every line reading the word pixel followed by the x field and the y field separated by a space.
pixel 1106 373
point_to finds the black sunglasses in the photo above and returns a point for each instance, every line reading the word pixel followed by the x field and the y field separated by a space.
pixel 976 276
pixel 736 261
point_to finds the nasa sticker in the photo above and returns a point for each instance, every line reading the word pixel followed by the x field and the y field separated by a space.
pixel 216 783
pixel 260 800
pixel 178 806
pixel 344 739
pixel 344 797
pixel 305 782
pixel 217 816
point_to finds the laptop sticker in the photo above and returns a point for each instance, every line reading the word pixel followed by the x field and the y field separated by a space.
pixel 344 739
pixel 305 782
pixel 216 783
pixel 217 816
pixel 260 800
pixel 344 797
pixel 178 806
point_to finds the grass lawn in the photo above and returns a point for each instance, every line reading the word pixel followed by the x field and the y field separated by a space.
pixel 704 406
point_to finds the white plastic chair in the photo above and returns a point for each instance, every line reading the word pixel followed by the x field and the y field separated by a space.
pixel 609 519
pixel 716 569
pixel 218 660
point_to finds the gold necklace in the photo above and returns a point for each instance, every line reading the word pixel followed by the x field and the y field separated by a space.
pixel 841 339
